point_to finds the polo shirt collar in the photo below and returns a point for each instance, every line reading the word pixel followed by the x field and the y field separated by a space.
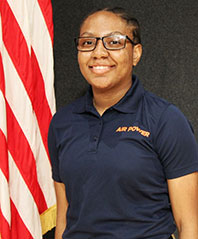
pixel 128 104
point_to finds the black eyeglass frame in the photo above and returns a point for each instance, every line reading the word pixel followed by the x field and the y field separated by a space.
pixel 102 39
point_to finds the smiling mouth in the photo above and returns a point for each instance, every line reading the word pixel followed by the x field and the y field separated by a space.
pixel 101 69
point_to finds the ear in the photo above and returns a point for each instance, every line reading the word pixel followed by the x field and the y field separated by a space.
pixel 137 53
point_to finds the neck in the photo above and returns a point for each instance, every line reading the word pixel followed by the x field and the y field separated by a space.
pixel 103 100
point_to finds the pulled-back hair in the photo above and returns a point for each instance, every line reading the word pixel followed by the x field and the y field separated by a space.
pixel 122 13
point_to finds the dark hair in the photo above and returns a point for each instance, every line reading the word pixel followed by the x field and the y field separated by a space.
pixel 122 13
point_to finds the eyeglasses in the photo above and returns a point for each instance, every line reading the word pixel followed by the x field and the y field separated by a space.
pixel 112 43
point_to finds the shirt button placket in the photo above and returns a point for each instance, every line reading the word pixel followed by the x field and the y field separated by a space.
pixel 96 137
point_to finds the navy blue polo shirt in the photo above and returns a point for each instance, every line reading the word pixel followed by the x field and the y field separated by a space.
pixel 115 166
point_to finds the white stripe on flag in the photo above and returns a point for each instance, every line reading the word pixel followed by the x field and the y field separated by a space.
pixel 20 11
pixel 4 197
pixel 26 208
pixel 3 115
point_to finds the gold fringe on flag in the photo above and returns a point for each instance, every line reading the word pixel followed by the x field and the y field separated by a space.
pixel 173 236
pixel 48 219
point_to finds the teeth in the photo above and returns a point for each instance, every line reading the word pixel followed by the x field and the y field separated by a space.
pixel 100 67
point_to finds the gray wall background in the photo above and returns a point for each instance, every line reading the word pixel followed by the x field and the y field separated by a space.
pixel 168 66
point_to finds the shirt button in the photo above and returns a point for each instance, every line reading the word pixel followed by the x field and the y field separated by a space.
pixel 95 138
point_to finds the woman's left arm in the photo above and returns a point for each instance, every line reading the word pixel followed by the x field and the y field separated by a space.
pixel 183 192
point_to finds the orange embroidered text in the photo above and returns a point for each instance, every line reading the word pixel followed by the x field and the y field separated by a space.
pixel 133 128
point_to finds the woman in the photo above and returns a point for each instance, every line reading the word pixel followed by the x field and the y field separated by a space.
pixel 124 161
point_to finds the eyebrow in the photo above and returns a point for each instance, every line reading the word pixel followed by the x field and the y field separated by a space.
pixel 109 34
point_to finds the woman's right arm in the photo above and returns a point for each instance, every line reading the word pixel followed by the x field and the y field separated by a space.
pixel 62 205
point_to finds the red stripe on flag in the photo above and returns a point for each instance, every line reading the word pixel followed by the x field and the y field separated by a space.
pixel 46 9
pixel 4 227
pixel 31 77
pixel 3 142
pixel 18 228
pixel 2 80
pixel 24 159
pixel 4 155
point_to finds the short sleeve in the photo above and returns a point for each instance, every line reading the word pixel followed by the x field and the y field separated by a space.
pixel 53 151
pixel 176 144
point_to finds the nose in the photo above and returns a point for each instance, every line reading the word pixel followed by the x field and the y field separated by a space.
pixel 100 51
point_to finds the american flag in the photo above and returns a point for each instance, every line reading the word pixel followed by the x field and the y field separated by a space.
pixel 27 103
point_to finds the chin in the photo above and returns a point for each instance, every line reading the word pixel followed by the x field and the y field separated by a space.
pixel 100 81
pixel 101 85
